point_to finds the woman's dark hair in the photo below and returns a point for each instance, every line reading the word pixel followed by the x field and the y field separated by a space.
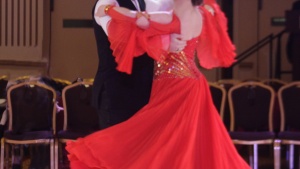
pixel 197 2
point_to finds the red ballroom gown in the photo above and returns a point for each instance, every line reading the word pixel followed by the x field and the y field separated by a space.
pixel 179 128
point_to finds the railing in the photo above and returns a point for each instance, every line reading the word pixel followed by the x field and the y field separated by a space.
pixel 268 40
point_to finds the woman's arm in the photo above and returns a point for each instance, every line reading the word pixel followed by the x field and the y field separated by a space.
pixel 102 11
pixel 159 17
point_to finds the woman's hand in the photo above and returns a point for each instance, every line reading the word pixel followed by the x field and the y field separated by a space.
pixel 176 43
pixel 142 21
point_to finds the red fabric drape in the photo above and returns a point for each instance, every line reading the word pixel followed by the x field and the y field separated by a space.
pixel 215 48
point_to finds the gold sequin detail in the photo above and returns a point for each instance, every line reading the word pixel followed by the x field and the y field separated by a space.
pixel 176 65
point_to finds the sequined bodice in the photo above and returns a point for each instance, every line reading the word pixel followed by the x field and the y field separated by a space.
pixel 178 65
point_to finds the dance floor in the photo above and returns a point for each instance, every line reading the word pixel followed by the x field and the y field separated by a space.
pixel 265 158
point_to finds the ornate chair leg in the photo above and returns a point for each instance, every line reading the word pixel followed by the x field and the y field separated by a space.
pixel 52 153
pixel 56 153
pixel 255 156
pixel 291 156
pixel 2 154
pixel 277 149
pixel 7 155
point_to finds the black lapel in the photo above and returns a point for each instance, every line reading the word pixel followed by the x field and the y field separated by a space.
pixel 142 5
pixel 127 4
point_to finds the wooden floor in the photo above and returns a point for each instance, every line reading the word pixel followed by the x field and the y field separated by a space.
pixel 265 158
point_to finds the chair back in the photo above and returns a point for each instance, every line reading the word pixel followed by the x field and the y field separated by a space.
pixel 79 114
pixel 227 84
pixel 289 102
pixel 251 107
pixel 219 97
pixel 32 107
pixel 251 80
pixel 276 84
pixel 61 83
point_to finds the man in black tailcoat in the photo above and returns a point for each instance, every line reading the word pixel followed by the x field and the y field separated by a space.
pixel 117 96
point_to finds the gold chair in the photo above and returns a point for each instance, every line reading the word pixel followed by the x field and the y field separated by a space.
pixel 254 79
pixel 61 83
pixel 32 111
pixel 80 118
pixel 289 134
pixel 276 84
pixel 251 106
pixel 227 84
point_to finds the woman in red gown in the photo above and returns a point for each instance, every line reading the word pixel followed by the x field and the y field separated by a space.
pixel 180 127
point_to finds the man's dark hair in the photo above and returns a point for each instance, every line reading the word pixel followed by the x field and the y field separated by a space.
pixel 197 2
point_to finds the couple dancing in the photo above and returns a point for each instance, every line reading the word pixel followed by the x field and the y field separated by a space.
pixel 179 128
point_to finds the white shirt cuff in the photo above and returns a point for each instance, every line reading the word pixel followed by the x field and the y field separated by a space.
pixel 103 21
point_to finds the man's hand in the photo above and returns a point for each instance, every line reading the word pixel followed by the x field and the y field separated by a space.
pixel 176 43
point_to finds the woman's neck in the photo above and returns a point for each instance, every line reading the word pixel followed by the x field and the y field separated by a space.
pixel 182 7
pixel 190 18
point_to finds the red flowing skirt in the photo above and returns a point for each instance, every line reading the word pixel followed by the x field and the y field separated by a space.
pixel 168 133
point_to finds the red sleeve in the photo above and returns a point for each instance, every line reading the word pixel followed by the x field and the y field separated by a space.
pixel 215 48
pixel 129 41
pixel 152 40
pixel 122 33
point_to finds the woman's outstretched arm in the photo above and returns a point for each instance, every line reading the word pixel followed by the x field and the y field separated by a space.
pixel 159 17
pixel 102 10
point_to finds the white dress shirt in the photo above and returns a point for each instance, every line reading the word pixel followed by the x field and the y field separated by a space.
pixel 102 21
